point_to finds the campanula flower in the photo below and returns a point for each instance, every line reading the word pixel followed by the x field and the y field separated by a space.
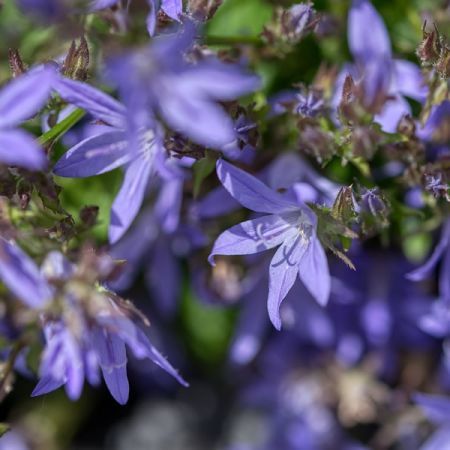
pixel 158 82
pixel 289 225
pixel 383 77
pixel 90 331
pixel 142 156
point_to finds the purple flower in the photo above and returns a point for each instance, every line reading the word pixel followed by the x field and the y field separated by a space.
pixel 375 67
pixel 142 155
pixel 172 8
pixel 81 337
pixel 21 99
pixel 290 225
pixel 158 81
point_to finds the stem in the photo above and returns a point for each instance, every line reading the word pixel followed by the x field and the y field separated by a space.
pixel 62 127
pixel 233 40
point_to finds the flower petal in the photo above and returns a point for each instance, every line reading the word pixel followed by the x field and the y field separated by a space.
pixel 18 148
pixel 130 197
pixel 254 236
pixel 436 407
pixel 283 271
pixel 92 100
pixel 20 274
pixel 113 360
pixel 368 38
pixel 25 96
pixel 393 110
pixel 250 192
pixel 94 156
pixel 314 271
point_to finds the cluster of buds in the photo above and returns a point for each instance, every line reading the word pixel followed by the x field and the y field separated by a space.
pixel 434 52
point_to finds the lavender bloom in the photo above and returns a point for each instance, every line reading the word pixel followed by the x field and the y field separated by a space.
pixel 19 101
pixel 291 225
pixel 281 175
pixel 158 82
pixel 172 8
pixel 380 74
pixel 437 409
pixel 441 252
pixel 142 156
pixel 86 337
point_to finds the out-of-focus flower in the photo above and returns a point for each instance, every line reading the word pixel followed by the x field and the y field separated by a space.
pixel 291 225
pixel 385 80
pixel 89 330
pixel 158 81
pixel 20 100
pixel 142 155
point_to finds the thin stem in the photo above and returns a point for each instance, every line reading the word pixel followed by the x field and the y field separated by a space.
pixel 62 127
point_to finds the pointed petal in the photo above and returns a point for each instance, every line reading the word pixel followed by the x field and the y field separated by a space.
pixel 159 359
pixel 94 156
pixel 20 274
pixel 92 100
pixel 23 97
pixel 45 385
pixel 117 381
pixel 254 236
pixel 283 271
pixel 368 38
pixel 130 197
pixel 203 121
pixel 409 80
pixel 314 272
pixel 113 360
pixel 18 148
pixel 173 8
pixel 250 192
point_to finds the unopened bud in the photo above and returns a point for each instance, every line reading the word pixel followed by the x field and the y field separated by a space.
pixel 407 126
pixel 343 207
pixel 429 49
pixel 76 63
pixel 16 64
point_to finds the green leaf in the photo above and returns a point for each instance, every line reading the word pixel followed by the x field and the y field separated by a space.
pixel 240 18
